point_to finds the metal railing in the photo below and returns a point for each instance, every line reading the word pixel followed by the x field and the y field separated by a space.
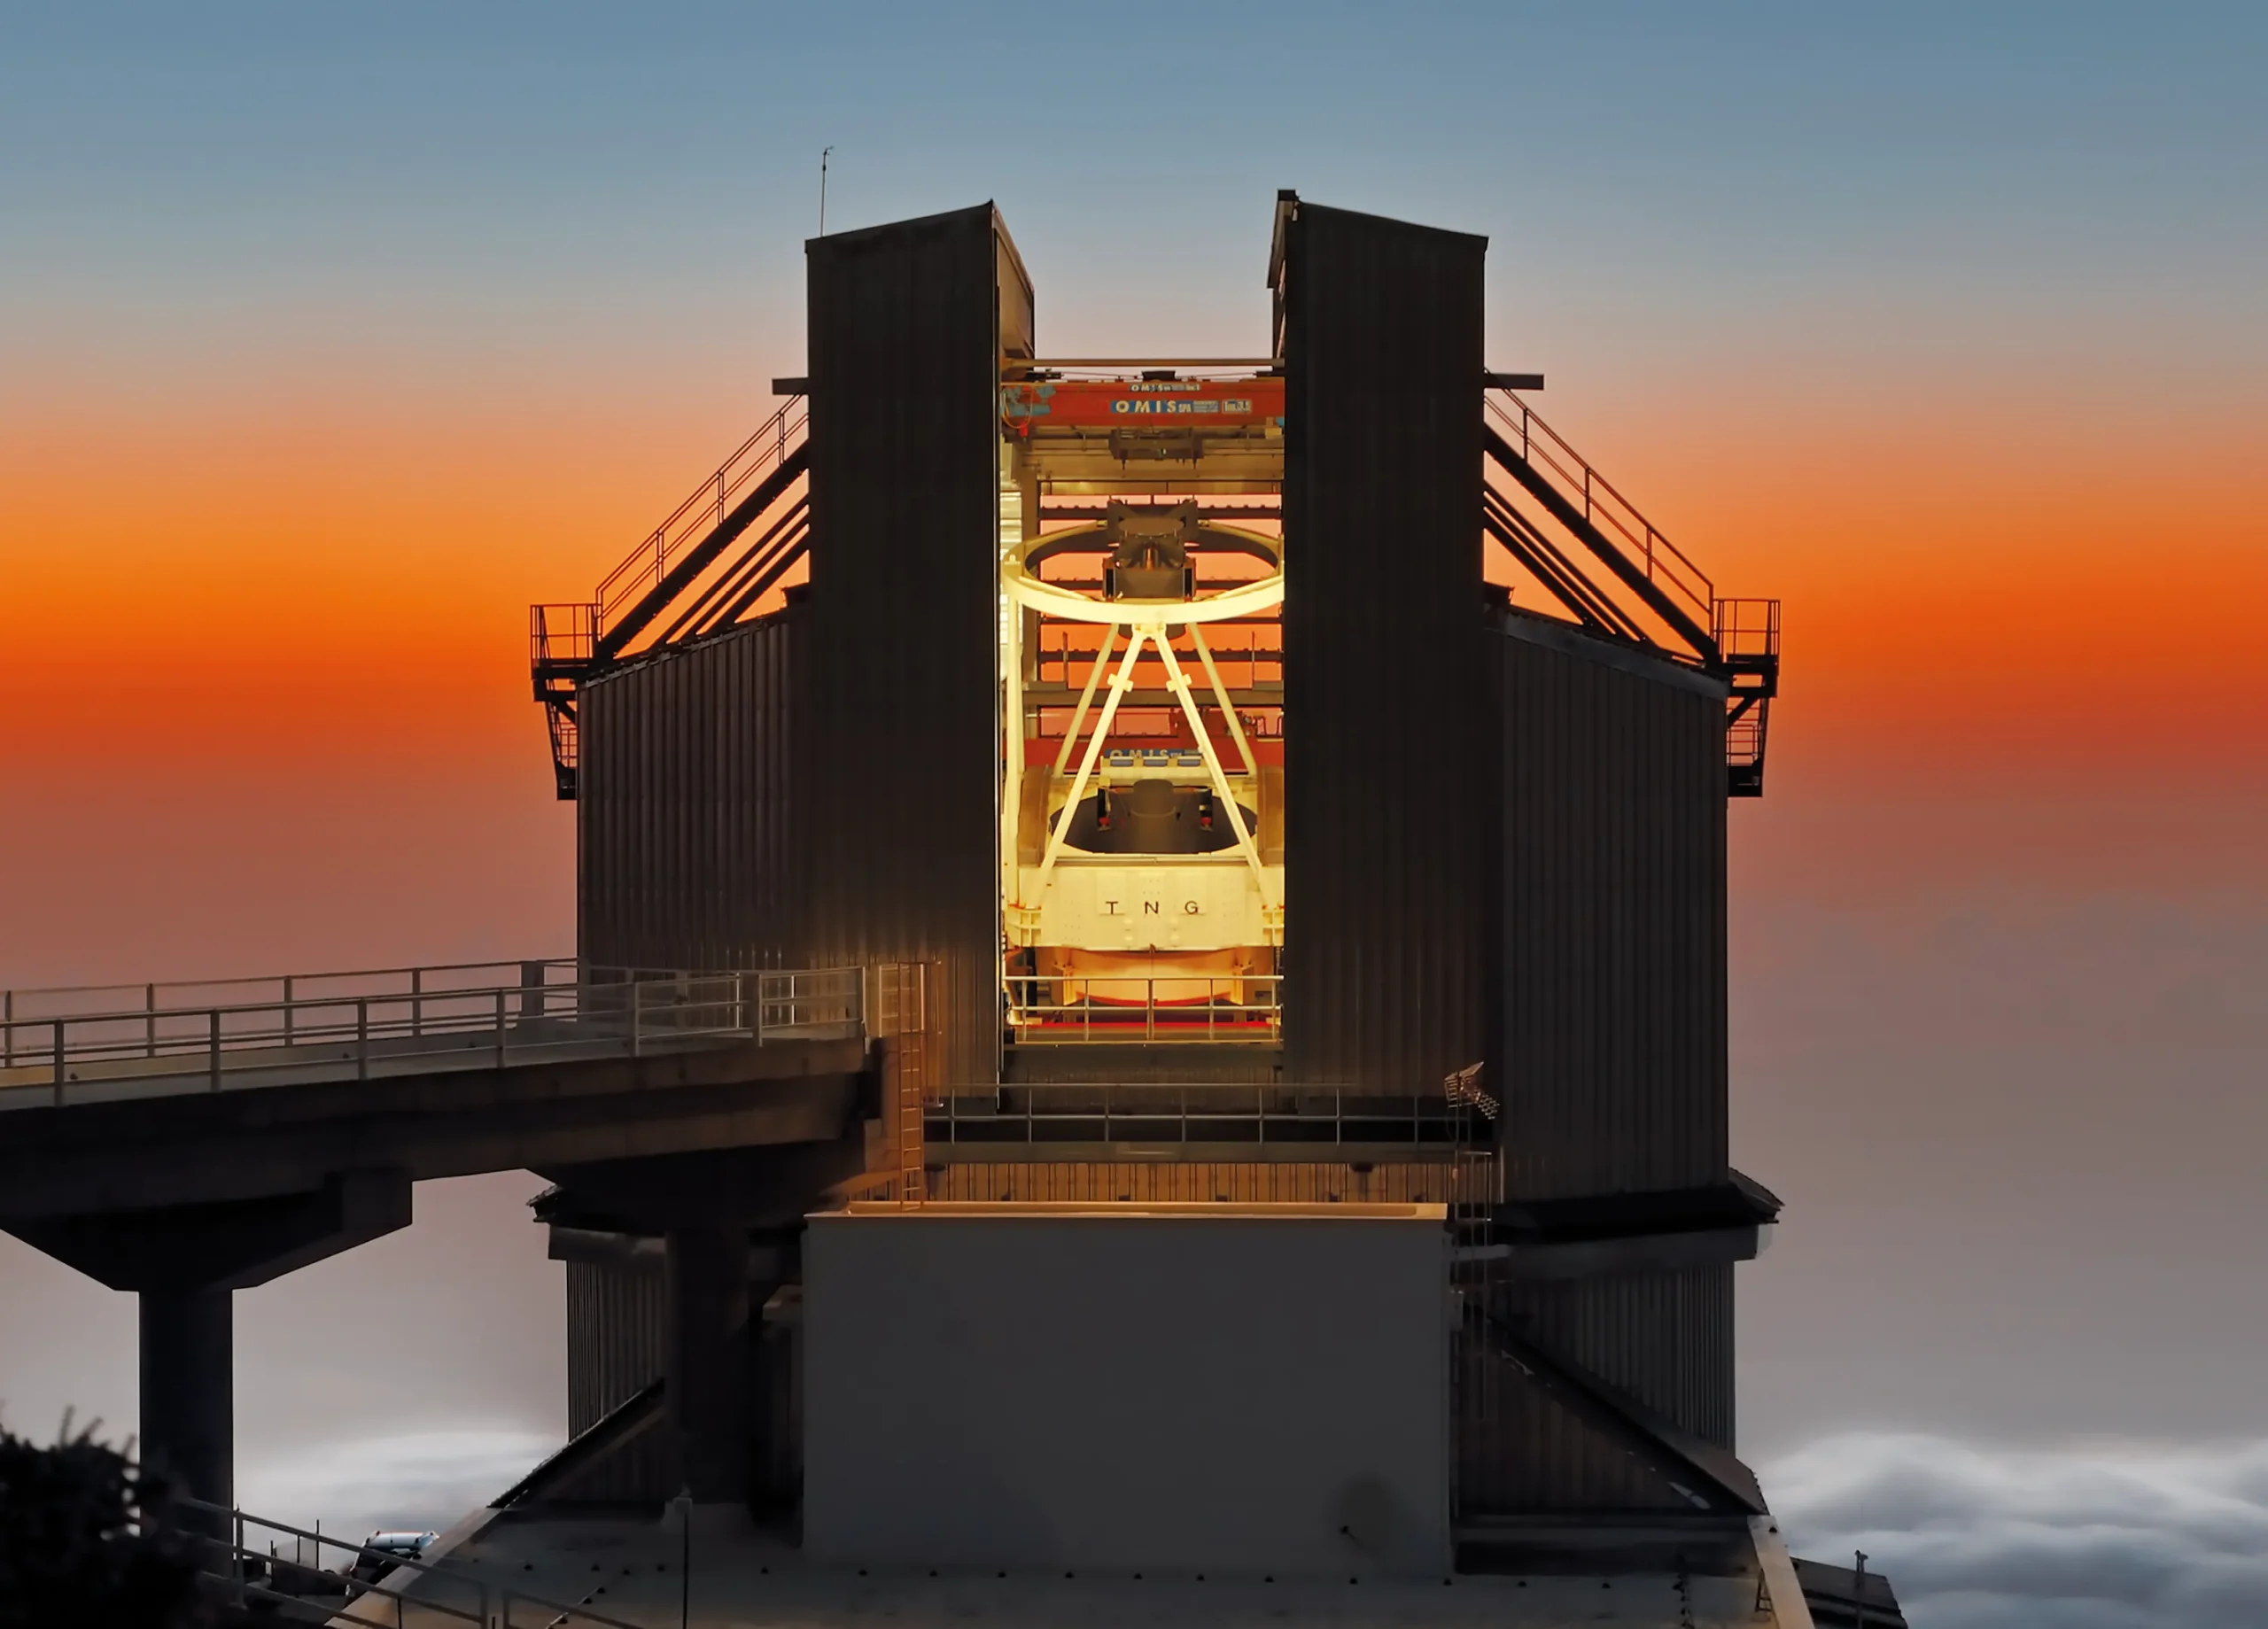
pixel 1081 1008
pixel 104 1041
pixel 1744 737
pixel 567 641
pixel 251 1580
pixel 704 509
pixel 1615 516
pixel 1746 630
pixel 435 979
pixel 1312 1117
pixel 562 635
pixel 565 734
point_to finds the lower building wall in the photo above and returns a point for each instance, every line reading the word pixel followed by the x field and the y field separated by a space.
pixel 617 1328
pixel 1100 1387
pixel 639 1468
pixel 616 1319
pixel 1521 1451
pixel 1664 1338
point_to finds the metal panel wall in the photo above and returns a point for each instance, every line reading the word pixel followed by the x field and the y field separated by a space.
pixel 1389 788
pixel 900 775
pixel 1613 1054
pixel 640 1470
pixel 1666 1339
pixel 1164 1061
pixel 684 813
pixel 616 1320
pixel 1523 1452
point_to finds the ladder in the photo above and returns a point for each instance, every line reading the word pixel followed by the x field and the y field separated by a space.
pixel 903 1016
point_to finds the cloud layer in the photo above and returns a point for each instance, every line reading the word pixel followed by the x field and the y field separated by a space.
pixel 2108 1536
pixel 2088 1536
pixel 419 1479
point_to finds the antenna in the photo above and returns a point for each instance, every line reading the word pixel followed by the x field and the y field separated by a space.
pixel 822 188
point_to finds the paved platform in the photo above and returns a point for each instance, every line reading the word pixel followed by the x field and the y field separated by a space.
pixel 629 1569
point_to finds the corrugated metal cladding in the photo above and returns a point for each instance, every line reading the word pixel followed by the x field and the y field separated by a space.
pixel 1192 1181
pixel 642 1469
pixel 1387 777
pixel 1522 1452
pixel 1167 1064
pixel 684 814
pixel 1613 1070
pixel 616 1320
pixel 1666 1339
pixel 899 773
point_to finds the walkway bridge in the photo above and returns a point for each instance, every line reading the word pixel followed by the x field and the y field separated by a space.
pixel 185 1141
pixel 244 1090
pixel 74 1046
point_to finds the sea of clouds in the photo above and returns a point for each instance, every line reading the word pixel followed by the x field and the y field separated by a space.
pixel 2088 1536
pixel 415 1480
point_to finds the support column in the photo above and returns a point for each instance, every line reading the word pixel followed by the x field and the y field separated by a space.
pixel 707 1361
pixel 184 1261
pixel 705 1206
pixel 188 1391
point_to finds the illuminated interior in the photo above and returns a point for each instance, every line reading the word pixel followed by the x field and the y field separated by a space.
pixel 1142 700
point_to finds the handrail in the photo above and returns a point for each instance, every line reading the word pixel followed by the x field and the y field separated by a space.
pixel 702 510
pixel 1308 1115
pixel 286 982
pixel 1664 564
pixel 569 640
pixel 1048 1008
pixel 1747 630
pixel 331 1033
pixel 562 632
pixel 495 1600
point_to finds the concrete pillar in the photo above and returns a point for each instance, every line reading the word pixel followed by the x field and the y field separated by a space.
pixel 707 1360
pixel 184 1261
pixel 705 1206
pixel 188 1391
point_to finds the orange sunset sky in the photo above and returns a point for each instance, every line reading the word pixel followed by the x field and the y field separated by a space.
pixel 269 623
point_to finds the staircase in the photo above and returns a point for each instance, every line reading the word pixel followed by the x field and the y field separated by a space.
pixel 1476 1190
pixel 1747 633
pixel 685 581
pixel 1613 572
pixel 1597 557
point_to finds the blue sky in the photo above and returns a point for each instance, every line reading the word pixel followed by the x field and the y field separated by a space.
pixel 459 168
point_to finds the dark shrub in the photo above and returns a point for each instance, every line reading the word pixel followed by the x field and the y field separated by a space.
pixel 73 1550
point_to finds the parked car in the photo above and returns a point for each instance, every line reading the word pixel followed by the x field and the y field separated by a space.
pixel 369 1568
